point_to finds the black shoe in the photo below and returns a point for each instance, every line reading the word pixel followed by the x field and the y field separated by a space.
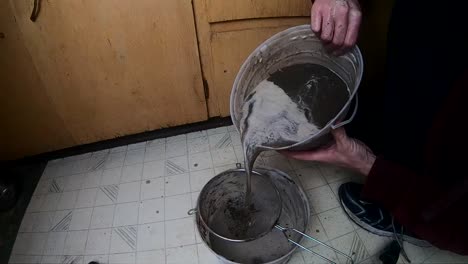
pixel 371 217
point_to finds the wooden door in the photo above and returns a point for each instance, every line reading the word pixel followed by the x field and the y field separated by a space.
pixel 116 67
pixel 29 122
pixel 228 31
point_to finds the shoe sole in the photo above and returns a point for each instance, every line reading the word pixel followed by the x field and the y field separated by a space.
pixel 375 231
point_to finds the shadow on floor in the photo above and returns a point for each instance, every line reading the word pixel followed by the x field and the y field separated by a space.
pixel 24 176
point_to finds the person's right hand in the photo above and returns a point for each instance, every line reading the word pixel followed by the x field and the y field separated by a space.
pixel 346 152
pixel 336 23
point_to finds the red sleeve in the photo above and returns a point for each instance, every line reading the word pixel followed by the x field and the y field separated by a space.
pixel 387 183
pixel 431 203
pixel 433 206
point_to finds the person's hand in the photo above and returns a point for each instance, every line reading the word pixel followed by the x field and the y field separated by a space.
pixel 346 152
pixel 336 23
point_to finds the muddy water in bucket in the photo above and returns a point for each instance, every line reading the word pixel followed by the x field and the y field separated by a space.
pixel 286 108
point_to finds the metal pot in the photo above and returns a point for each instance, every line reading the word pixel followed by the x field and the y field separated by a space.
pixel 270 248
pixel 278 245
pixel 297 45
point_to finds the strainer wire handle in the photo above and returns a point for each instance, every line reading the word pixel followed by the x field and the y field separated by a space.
pixel 315 240
pixel 310 251
pixel 351 117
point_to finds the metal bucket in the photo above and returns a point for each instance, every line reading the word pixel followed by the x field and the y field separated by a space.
pixel 297 45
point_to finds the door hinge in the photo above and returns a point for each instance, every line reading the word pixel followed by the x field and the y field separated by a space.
pixel 206 89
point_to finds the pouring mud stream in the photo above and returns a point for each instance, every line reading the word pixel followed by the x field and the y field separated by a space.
pixel 289 94
pixel 281 111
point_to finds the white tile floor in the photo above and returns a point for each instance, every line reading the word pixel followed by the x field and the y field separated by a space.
pixel 129 205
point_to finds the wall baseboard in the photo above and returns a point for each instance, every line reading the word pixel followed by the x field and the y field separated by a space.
pixel 125 140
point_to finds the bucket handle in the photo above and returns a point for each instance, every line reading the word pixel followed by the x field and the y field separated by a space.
pixel 350 118
pixel 192 211
pixel 284 229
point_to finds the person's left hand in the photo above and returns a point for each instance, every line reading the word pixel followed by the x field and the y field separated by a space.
pixel 336 23
pixel 347 152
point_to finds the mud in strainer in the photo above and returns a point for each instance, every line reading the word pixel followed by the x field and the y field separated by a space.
pixel 223 225
pixel 222 206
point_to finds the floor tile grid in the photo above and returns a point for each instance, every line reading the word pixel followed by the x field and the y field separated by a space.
pixel 329 184
pixel 85 207
pixel 165 246
pixel 103 153
pixel 57 169
pixel 371 258
pixel 324 241
pixel 302 254
pixel 352 231
pixel 164 204
pixel 320 221
pixel 60 188
pixel 85 245
pixel 116 203
pixel 103 228
pixel 111 228
pixel 192 197
pixel 138 211
pixel 82 188
pixel 114 211
pixel 88 225
pixel 193 202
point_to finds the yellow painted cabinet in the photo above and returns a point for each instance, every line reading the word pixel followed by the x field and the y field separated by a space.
pixel 110 68
pixel 29 123
pixel 116 67
pixel 92 70
pixel 228 31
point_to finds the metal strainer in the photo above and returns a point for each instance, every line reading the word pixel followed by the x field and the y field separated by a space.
pixel 230 229
pixel 228 216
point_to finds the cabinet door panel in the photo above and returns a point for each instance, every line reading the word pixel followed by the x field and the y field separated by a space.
pixel 246 9
pixel 116 67
pixel 230 31
pixel 29 123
